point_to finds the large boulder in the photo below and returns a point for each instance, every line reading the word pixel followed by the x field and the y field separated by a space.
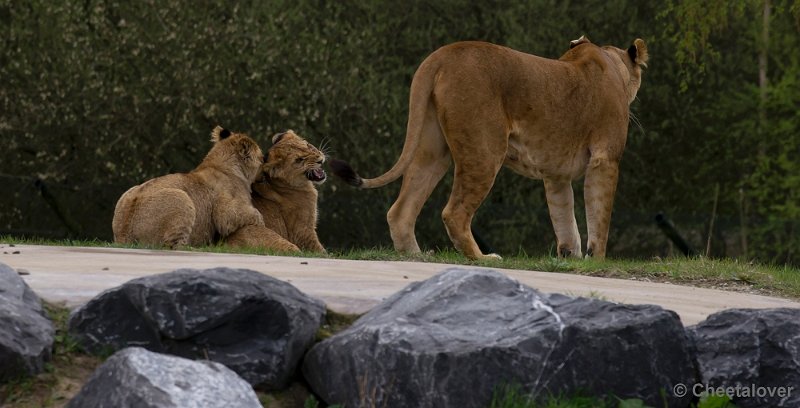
pixel 454 339
pixel 137 378
pixel 26 334
pixel 751 354
pixel 256 325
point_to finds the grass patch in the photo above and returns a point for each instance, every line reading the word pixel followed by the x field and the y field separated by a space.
pixel 513 397
pixel 726 274
pixel 63 377
pixel 333 323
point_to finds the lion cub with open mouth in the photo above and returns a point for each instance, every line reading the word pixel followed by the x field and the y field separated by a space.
pixel 286 196
pixel 191 209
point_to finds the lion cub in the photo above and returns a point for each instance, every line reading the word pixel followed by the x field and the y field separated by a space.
pixel 193 208
pixel 286 196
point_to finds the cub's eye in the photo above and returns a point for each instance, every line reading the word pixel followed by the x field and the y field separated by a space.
pixel 298 160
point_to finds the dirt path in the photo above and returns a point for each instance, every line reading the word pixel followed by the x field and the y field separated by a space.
pixel 76 274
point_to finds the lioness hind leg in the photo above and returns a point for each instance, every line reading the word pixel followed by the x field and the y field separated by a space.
pixel 420 178
pixel 599 187
pixel 561 202
pixel 473 179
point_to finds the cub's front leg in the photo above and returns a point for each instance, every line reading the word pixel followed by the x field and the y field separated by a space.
pixel 255 236
pixel 309 242
pixel 231 214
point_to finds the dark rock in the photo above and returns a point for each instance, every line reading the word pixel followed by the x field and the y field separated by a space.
pixel 14 288
pixel 26 334
pixel 256 325
pixel 753 351
pixel 452 340
pixel 137 378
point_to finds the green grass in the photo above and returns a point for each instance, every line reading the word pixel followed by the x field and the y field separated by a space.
pixel 333 323
pixel 726 274
pixel 513 397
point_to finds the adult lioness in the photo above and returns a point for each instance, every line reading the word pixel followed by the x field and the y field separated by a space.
pixel 191 209
pixel 286 196
pixel 487 106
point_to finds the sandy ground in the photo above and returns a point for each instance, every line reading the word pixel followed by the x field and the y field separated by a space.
pixel 76 274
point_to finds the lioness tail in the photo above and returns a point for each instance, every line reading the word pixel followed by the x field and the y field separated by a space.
pixel 343 170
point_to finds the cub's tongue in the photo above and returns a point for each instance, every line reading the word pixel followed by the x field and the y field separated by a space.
pixel 316 175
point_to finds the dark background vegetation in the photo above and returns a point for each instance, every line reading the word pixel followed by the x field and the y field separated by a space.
pixel 96 96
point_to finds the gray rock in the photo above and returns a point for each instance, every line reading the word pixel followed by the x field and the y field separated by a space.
pixel 26 334
pixel 756 350
pixel 14 288
pixel 453 339
pixel 256 325
pixel 137 378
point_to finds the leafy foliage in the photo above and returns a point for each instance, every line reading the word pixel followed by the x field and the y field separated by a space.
pixel 715 401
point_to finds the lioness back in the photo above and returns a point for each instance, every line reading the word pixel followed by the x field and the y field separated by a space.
pixel 192 208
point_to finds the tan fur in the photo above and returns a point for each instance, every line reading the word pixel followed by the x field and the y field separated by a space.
pixel 193 208
pixel 487 106
pixel 286 198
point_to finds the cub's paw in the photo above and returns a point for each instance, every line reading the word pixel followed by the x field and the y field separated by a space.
pixel 253 217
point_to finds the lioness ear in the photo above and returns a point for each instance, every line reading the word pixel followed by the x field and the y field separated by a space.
pixel 219 133
pixel 579 41
pixel 638 52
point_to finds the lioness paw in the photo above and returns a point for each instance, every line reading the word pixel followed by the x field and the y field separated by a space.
pixel 492 257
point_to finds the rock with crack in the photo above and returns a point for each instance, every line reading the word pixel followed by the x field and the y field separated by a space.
pixel 454 339
pixel 258 326
pixel 26 334
pixel 135 377
pixel 754 352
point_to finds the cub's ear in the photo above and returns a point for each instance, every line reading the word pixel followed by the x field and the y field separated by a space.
pixel 579 41
pixel 638 52
pixel 278 136
pixel 219 133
